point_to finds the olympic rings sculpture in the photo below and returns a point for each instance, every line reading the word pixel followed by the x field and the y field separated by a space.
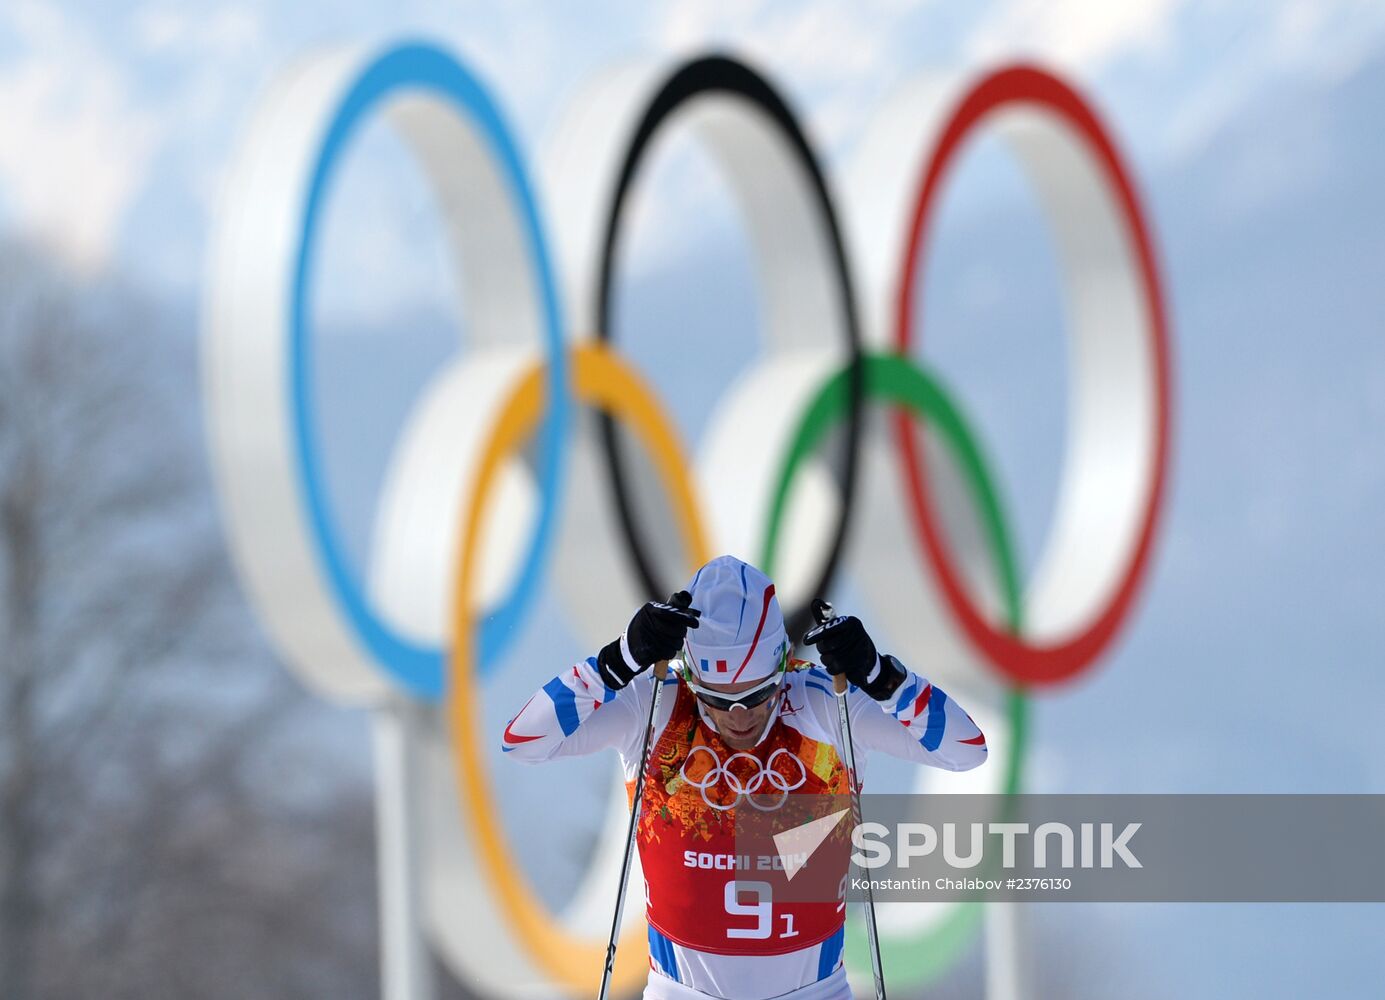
pixel 450 584
pixel 743 790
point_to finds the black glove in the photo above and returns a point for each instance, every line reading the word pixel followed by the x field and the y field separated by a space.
pixel 655 633
pixel 846 648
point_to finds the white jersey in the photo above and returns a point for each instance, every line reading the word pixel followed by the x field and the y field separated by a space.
pixel 576 713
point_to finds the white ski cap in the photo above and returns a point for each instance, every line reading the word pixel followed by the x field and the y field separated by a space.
pixel 741 635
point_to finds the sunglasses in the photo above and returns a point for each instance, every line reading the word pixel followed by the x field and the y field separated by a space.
pixel 747 699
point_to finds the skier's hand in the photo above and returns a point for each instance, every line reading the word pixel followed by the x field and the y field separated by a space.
pixel 846 648
pixel 655 633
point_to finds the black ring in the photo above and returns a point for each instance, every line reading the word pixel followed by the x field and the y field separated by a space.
pixel 712 74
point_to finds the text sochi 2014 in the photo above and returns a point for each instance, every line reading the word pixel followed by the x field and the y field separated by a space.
pixel 1073 849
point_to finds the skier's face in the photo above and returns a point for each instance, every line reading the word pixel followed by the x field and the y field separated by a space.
pixel 740 728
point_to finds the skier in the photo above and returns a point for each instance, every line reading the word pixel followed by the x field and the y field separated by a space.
pixel 741 697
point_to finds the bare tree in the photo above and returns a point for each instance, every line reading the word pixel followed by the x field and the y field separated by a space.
pixel 98 590
pixel 163 831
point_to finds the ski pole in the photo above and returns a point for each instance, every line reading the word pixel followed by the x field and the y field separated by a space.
pixel 822 611
pixel 660 670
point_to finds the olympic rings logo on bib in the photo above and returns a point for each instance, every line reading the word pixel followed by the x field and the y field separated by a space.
pixel 742 789
pixel 431 615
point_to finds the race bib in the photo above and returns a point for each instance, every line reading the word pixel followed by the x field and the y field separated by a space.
pixel 704 893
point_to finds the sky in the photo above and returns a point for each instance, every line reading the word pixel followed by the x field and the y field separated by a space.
pixel 1253 661
pixel 120 118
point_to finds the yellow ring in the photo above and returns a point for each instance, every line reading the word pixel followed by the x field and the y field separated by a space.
pixel 603 381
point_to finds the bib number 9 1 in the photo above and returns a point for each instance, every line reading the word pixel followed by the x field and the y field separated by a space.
pixel 762 909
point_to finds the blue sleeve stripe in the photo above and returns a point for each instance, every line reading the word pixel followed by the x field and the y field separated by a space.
pixel 831 953
pixel 820 687
pixel 937 720
pixel 564 703
pixel 907 697
pixel 661 950
pixel 610 691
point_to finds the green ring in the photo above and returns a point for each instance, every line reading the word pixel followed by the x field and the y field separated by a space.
pixel 916 959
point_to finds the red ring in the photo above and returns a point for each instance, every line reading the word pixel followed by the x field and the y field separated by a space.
pixel 1016 659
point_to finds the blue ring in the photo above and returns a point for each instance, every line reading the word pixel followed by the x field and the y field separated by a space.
pixel 419 66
